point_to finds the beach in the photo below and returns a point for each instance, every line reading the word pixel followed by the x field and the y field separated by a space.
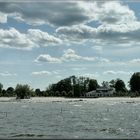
pixel 60 99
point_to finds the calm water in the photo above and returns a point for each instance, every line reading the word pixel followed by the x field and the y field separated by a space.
pixel 70 119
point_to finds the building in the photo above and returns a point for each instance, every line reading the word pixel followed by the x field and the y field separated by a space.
pixel 104 91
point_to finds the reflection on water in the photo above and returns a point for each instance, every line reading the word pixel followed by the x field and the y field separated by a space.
pixel 65 119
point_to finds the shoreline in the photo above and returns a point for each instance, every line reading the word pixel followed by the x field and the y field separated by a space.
pixel 57 99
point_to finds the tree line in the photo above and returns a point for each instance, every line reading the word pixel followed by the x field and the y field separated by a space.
pixel 73 87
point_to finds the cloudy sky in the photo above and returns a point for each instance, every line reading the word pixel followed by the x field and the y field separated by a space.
pixel 41 43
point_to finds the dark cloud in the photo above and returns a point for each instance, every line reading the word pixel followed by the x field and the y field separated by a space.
pixel 54 13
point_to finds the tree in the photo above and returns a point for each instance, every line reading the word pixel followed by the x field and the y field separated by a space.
pixel 57 93
pixel 3 93
pixel 73 86
pixel 76 89
pixel 92 85
pixel 23 91
pixel 38 92
pixel 63 93
pixel 112 83
pixel 120 86
pixel 10 91
pixel 135 82
pixel 1 87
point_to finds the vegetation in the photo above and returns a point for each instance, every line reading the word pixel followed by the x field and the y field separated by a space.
pixel 73 87
pixel 135 84
pixel 23 91
pixel 120 86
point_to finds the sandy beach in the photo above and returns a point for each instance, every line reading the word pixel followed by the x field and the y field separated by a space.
pixel 60 99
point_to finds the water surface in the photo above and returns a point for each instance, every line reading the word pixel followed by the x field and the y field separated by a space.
pixel 70 119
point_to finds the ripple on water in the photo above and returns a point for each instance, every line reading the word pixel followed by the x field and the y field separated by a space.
pixel 80 119
pixel 77 105
pixel 109 130
pixel 26 135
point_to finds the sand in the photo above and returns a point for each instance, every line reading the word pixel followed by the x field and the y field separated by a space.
pixel 60 99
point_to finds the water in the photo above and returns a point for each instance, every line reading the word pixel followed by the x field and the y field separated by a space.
pixel 70 119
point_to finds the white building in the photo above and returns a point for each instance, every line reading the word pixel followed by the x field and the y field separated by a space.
pixel 103 91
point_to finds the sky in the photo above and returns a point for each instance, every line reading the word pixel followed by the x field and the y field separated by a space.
pixel 44 42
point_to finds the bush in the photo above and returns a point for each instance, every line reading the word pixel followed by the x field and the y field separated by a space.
pixel 23 91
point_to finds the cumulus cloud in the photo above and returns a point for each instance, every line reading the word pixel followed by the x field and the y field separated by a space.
pixel 7 74
pixel 76 32
pixel 113 12
pixel 68 13
pixel 53 13
pixel 12 38
pixel 47 58
pixel 69 55
pixel 42 38
pixel 117 23
pixel 111 72
pixel 125 33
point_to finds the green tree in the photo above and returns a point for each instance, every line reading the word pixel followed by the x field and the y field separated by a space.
pixel 112 83
pixel 135 82
pixel 92 85
pixel 70 94
pixel 1 87
pixel 38 92
pixel 57 93
pixel 23 91
pixel 4 93
pixel 120 86
pixel 76 89
pixel 10 91
pixel 63 93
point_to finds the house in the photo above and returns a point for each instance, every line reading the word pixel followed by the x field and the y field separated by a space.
pixel 104 91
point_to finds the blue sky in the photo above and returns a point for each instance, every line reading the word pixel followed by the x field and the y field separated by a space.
pixel 42 43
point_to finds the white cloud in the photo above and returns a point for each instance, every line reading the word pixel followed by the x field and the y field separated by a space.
pixel 68 13
pixel 45 73
pixel 42 38
pixel 104 60
pixel 47 58
pixel 117 25
pixel 113 12
pixel 3 17
pixel 79 69
pixel 111 72
pixel 12 38
pixel 76 33
pixel 41 73
pixel 124 33
pixel 135 61
pixel 98 49
pixel 7 74
pixel 69 55
pixel 91 75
